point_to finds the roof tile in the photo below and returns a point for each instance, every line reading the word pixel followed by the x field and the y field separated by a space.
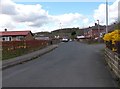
pixel 14 33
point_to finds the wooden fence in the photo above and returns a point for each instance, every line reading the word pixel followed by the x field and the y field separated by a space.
pixel 113 61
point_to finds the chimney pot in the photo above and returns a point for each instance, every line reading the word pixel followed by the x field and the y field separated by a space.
pixel 5 29
pixel 95 24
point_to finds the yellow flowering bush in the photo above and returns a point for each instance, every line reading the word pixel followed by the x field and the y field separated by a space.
pixel 107 37
pixel 112 38
pixel 116 35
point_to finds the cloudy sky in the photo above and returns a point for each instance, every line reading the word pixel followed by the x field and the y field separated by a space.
pixel 48 16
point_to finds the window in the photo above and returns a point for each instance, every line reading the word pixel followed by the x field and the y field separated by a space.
pixel 10 38
pixel 7 38
pixel 3 39
pixel 19 38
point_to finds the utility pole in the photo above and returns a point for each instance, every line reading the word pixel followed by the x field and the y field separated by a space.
pixel 106 16
pixel 98 31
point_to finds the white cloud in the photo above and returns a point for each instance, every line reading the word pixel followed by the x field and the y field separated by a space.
pixel 5 4
pixel 68 19
pixel 86 20
pixel 34 17
pixel 31 15
pixel 6 22
pixel 100 13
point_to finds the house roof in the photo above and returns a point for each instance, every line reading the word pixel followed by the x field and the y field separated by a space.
pixel 111 27
pixel 96 27
pixel 14 33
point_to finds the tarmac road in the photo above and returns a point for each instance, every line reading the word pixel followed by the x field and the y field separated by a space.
pixel 72 64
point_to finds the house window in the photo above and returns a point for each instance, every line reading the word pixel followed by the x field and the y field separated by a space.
pixel 19 38
pixel 10 38
pixel 3 39
pixel 7 38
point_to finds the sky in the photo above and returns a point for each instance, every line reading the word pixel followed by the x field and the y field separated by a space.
pixel 40 16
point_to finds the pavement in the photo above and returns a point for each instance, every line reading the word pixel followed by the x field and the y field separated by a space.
pixel 71 64
pixel 27 57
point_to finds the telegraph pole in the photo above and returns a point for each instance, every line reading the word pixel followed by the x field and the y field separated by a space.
pixel 106 16
pixel 98 31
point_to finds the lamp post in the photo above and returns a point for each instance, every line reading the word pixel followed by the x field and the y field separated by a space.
pixel 60 25
pixel 98 31
pixel 106 16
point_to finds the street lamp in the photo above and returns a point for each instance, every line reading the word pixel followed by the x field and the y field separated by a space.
pixel 106 16
pixel 98 31
pixel 60 25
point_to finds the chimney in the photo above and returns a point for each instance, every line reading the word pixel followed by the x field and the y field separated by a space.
pixel 5 29
pixel 95 24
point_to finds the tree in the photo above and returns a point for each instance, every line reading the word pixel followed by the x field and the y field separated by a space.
pixel 73 34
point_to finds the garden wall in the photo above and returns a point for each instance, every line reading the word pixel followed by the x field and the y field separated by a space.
pixel 12 49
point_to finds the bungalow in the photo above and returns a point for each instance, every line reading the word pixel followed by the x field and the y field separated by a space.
pixel 16 35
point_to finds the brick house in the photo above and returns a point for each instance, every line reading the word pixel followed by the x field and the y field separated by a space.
pixel 94 32
pixel 16 35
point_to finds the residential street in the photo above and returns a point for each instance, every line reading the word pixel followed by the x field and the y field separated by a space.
pixel 72 64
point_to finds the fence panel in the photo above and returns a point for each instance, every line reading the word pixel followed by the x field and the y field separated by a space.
pixel 113 62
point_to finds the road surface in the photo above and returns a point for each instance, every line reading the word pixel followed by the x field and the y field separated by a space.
pixel 72 64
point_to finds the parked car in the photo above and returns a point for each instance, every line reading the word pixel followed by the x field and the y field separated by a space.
pixel 65 40
pixel 70 40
